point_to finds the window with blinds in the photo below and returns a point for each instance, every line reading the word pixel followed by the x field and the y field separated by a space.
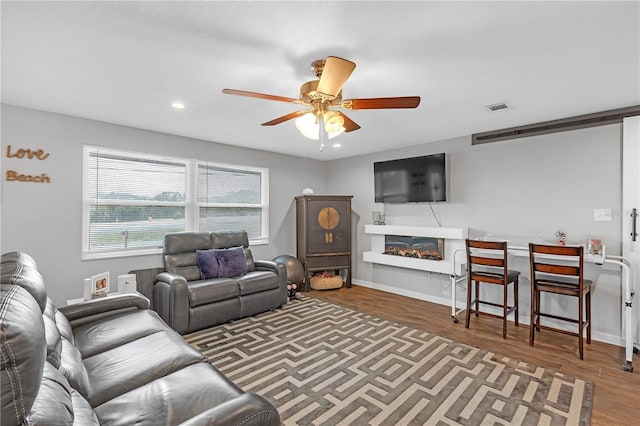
pixel 232 198
pixel 131 200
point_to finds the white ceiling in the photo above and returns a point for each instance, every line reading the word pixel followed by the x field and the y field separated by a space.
pixel 126 62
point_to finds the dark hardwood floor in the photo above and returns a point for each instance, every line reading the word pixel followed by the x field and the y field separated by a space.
pixel 616 394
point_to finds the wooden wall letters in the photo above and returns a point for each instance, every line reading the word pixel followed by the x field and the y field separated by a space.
pixel 27 154
pixel 20 153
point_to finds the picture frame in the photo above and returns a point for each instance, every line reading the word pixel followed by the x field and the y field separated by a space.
pixel 99 285
pixel 595 247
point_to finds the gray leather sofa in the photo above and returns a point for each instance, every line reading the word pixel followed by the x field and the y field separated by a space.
pixel 108 361
pixel 187 302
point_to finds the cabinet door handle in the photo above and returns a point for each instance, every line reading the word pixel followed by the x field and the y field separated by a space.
pixel 634 220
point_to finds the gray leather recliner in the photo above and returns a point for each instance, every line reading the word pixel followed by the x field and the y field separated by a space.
pixel 188 303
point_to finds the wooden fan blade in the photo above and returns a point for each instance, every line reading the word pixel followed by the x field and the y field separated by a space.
pixel 382 103
pixel 284 118
pixel 335 74
pixel 349 124
pixel 259 95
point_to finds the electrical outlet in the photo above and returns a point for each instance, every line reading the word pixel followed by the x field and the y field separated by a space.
pixel 602 215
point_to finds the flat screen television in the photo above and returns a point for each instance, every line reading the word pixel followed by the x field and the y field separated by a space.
pixel 411 180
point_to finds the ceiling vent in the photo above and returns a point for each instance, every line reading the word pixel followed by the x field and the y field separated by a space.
pixel 497 107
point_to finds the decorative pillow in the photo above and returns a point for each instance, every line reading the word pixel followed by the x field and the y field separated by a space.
pixel 231 262
pixel 208 264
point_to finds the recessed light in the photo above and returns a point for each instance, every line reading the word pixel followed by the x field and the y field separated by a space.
pixel 178 105
pixel 337 145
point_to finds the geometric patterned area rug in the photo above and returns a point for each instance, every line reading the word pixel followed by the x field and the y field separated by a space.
pixel 324 364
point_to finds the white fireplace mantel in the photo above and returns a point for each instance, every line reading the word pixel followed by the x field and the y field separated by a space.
pixel 453 240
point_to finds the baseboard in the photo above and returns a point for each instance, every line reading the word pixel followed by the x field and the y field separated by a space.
pixel 403 292
pixel 597 336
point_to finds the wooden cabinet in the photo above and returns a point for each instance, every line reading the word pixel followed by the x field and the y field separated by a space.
pixel 323 228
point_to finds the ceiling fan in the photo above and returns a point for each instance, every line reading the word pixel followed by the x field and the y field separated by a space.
pixel 323 95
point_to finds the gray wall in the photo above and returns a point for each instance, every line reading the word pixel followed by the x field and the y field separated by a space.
pixel 528 187
pixel 523 187
pixel 45 220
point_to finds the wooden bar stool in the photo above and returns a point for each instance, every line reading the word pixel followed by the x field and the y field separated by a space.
pixel 559 270
pixel 487 263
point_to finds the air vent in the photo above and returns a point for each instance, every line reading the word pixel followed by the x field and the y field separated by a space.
pixel 496 107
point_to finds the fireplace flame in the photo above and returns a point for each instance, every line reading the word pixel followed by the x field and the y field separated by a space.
pixel 411 252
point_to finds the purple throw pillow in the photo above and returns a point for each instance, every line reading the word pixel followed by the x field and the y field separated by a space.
pixel 231 262
pixel 208 264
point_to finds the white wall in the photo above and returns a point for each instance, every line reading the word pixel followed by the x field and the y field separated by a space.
pixel 44 220
pixel 522 187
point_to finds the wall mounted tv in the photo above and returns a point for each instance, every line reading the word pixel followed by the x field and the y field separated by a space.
pixel 411 180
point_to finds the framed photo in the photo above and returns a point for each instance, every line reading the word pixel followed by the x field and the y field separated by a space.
pixel 594 247
pixel 100 285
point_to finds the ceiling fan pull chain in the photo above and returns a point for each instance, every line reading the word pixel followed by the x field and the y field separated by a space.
pixel 321 130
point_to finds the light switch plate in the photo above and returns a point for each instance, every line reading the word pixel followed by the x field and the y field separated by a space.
pixel 602 215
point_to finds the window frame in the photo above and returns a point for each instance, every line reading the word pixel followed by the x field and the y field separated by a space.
pixel 191 204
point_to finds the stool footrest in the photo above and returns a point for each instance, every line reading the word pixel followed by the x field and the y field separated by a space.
pixel 573 320
pixel 489 314
pixel 509 308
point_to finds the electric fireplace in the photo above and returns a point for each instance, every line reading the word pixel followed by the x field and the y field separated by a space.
pixel 416 247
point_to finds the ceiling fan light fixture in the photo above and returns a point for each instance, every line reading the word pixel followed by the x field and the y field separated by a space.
pixel 336 133
pixel 308 126
pixel 333 122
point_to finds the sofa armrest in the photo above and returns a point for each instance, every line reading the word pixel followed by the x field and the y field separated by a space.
pixel 270 265
pixel 171 278
pixel 247 409
pixel 95 309
pixel 171 300
pixel 281 271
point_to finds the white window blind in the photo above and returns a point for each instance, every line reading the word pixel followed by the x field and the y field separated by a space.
pixel 232 198
pixel 131 200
